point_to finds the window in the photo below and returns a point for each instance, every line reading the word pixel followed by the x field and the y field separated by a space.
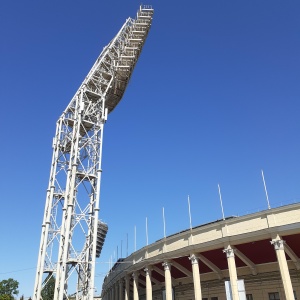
pixel 249 297
pixel 274 296
pixel 214 298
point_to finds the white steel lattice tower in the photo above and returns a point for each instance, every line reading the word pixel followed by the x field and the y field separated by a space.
pixel 70 229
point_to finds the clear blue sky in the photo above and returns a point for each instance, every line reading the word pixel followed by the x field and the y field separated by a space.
pixel 214 99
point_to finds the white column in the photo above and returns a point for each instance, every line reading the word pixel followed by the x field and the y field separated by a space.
pixel 127 288
pixel 148 283
pixel 121 290
pixel 232 272
pixel 135 276
pixel 196 277
pixel 111 293
pixel 114 292
pixel 283 268
pixel 168 280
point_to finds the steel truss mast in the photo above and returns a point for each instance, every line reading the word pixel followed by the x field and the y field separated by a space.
pixel 71 229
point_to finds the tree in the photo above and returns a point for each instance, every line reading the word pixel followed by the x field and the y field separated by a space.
pixel 48 289
pixel 8 289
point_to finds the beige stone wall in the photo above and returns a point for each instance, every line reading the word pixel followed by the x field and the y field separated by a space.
pixel 259 286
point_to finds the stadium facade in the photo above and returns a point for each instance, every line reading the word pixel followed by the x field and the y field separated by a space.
pixel 253 257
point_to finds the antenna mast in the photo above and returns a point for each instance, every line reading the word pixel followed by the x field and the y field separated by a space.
pixel 72 235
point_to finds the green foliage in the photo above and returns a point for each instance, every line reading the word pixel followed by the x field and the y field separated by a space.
pixel 8 289
pixel 5 297
pixel 48 289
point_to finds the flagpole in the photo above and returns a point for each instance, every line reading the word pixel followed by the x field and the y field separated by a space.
pixel 127 245
pixel 164 222
pixel 121 248
pixel 221 202
pixel 263 177
pixel 190 212
pixel 134 238
pixel 146 231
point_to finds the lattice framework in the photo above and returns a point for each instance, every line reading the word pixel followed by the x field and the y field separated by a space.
pixel 69 230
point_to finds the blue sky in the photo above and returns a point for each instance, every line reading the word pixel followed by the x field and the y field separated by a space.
pixel 214 99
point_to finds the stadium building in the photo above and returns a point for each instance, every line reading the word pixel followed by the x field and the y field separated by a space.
pixel 253 257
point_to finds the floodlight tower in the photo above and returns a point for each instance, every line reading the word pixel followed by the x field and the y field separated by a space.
pixel 72 235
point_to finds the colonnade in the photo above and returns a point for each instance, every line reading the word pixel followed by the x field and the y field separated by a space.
pixel 118 292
